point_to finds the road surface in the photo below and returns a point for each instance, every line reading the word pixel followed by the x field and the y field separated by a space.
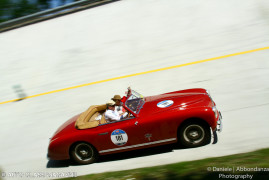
pixel 124 38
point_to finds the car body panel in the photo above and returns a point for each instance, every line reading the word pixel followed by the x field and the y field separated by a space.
pixel 152 125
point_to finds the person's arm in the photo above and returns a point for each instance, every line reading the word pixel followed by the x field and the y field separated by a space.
pixel 111 116
pixel 123 109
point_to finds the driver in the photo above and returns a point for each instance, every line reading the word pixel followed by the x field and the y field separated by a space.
pixel 118 104
pixel 111 115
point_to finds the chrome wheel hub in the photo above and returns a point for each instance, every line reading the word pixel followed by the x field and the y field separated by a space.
pixel 83 152
pixel 194 134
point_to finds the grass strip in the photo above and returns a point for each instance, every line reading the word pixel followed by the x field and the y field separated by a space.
pixel 234 167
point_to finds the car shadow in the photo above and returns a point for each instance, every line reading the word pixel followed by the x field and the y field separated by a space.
pixel 119 156
pixel 58 163
pixel 138 153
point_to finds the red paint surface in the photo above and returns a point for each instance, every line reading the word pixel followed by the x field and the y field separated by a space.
pixel 160 123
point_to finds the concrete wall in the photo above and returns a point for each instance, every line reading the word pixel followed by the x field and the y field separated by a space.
pixel 128 37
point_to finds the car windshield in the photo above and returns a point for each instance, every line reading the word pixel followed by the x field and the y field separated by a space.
pixel 135 101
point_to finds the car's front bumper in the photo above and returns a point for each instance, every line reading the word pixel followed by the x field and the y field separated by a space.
pixel 219 129
pixel 219 123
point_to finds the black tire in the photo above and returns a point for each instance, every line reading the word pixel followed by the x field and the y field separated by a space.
pixel 83 153
pixel 194 134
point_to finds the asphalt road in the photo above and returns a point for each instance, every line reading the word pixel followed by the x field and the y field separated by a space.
pixel 128 37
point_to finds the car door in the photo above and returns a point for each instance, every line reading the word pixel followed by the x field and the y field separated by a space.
pixel 119 136
pixel 157 130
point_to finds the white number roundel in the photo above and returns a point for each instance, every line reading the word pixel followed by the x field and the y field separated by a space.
pixel 166 103
pixel 119 137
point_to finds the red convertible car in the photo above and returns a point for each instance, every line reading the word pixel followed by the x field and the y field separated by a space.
pixel 188 117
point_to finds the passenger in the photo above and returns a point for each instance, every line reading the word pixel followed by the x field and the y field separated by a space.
pixel 111 115
pixel 118 104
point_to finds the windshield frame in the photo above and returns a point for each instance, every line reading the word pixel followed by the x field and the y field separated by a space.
pixel 133 95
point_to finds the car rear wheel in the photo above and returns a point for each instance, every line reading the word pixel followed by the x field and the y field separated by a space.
pixel 194 134
pixel 83 153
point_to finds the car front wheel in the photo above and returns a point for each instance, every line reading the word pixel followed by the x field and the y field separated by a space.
pixel 83 153
pixel 194 134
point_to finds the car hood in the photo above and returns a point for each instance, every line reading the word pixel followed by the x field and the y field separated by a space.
pixel 184 99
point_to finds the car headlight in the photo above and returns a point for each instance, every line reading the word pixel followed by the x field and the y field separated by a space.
pixel 215 110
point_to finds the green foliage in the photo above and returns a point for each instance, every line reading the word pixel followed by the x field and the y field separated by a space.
pixel 43 4
pixel 23 8
pixel 193 170
pixel 11 9
pixel 4 7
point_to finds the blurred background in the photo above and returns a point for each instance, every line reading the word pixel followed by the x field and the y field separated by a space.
pixel 11 9
pixel 127 37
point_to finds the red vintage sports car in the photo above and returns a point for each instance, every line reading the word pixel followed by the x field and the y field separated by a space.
pixel 187 117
